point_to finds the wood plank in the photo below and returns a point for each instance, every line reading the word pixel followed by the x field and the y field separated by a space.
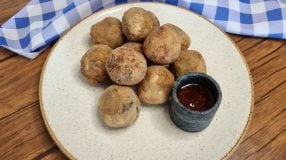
pixel 271 64
pixel 5 54
pixel 235 38
pixel 261 138
pixel 276 148
pixel 56 155
pixel 246 43
pixel 261 50
pixel 269 90
pixel 267 58
pixel 23 134
pixel 19 80
pixel 270 71
pixel 266 109
pixel 9 7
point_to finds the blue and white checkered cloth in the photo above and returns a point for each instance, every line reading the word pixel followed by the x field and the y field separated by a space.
pixel 42 22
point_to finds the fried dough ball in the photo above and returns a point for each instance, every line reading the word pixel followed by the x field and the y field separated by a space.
pixel 137 23
pixel 108 31
pixel 126 66
pixel 162 45
pixel 156 86
pixel 93 63
pixel 185 39
pixel 189 61
pixel 136 46
pixel 119 106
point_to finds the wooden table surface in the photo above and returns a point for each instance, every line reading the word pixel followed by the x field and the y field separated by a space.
pixel 23 134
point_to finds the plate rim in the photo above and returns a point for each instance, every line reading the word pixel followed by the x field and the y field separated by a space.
pixel 53 135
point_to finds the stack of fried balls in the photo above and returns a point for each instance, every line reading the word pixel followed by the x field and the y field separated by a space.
pixel 136 52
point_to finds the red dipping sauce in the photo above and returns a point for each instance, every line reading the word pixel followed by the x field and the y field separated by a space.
pixel 195 97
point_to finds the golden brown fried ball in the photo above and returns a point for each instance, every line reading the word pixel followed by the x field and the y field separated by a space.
pixel 136 46
pixel 156 86
pixel 93 63
pixel 189 61
pixel 108 31
pixel 162 45
pixel 126 66
pixel 119 106
pixel 137 23
pixel 185 39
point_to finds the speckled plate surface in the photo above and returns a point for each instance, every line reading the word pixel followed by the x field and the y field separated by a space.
pixel 69 104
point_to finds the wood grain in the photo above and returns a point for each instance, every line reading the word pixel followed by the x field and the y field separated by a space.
pixel 247 43
pixel 52 153
pixel 24 136
pixel 19 80
pixel 6 54
pixel 235 38
pixel 9 7
pixel 274 147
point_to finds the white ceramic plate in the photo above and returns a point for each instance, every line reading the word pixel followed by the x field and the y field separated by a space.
pixel 69 104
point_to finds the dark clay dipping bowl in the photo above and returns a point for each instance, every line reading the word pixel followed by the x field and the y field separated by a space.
pixel 195 99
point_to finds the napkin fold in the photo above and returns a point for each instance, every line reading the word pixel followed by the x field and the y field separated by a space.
pixel 42 22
